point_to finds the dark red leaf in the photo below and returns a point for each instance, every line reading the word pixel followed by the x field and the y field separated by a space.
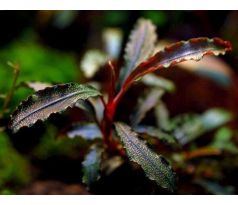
pixel 194 49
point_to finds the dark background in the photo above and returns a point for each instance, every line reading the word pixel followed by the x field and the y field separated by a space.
pixel 48 45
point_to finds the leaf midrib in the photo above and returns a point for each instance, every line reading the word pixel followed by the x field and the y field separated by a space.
pixel 48 104
pixel 147 158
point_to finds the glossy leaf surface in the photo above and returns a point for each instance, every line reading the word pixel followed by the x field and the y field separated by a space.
pixel 193 49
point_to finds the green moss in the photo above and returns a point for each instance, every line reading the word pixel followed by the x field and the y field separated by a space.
pixel 37 63
pixel 14 168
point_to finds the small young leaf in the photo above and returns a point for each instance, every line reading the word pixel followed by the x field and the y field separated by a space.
pixel 54 99
pixel 214 118
pixel 88 131
pixel 158 81
pixel 162 116
pixel 112 39
pixel 145 105
pixel 194 49
pixel 91 165
pixel 140 46
pixel 92 61
pixel 223 140
pixel 155 166
pixel 187 127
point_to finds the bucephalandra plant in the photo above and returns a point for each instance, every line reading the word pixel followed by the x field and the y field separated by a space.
pixel 140 60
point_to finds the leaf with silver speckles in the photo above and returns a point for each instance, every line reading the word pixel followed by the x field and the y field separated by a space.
pixel 53 99
pixel 155 166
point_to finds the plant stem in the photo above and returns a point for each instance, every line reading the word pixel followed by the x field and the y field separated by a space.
pixel 112 82
pixel 16 70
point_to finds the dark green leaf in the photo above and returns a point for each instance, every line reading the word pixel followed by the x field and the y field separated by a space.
pixel 54 99
pixel 91 165
pixel 155 166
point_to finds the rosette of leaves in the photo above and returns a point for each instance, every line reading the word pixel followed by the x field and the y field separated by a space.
pixel 139 61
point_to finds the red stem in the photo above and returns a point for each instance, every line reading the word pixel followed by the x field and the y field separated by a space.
pixel 109 112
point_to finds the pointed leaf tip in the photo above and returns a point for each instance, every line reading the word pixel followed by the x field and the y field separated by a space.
pixel 193 49
pixel 155 166
pixel 140 46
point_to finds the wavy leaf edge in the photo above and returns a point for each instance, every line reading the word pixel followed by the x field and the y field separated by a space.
pixel 14 121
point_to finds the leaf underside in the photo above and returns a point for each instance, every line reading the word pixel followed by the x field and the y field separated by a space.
pixel 155 166
pixel 54 99
pixel 140 46
pixel 193 49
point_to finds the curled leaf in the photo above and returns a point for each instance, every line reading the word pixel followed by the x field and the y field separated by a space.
pixel 193 49
pixel 54 99
pixel 140 46
pixel 155 166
